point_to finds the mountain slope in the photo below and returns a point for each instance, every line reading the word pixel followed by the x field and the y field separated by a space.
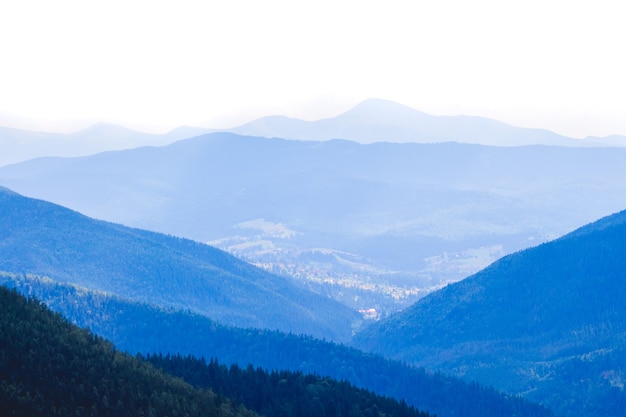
pixel 282 393
pixel 41 238
pixel 51 368
pixel 136 327
pixel 547 322
pixel 377 120
pixel 405 218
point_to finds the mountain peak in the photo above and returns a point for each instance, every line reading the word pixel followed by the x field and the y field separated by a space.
pixel 379 104
pixel 379 120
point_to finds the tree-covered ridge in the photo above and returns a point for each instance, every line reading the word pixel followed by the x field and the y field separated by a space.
pixel 49 367
pixel 136 327
pixel 282 393
pixel 37 237
pixel 547 322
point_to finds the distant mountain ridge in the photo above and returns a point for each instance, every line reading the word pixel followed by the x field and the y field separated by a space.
pixel 611 140
pixel 374 120
pixel 18 145
pixel 37 237
pixel 547 322
pixel 412 215
pixel 377 120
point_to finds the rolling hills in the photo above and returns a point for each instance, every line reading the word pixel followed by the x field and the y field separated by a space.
pixel 375 226
pixel 153 293
pixel 373 120
pixel 546 322
pixel 147 329
pixel 20 145
pixel 49 367
pixel 37 237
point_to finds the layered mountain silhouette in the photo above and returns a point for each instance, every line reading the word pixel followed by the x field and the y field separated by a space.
pixel 414 216
pixel 547 323
pixel 377 120
pixel 20 145
pixel 37 237
pixel 138 327
pixel 374 120
pixel 404 218
pixel 153 293
pixel 49 367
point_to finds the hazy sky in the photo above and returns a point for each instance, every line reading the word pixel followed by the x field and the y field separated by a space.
pixel 153 65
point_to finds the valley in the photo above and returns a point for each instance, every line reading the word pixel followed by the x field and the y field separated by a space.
pixel 384 222
pixel 417 267
pixel 150 330
pixel 312 209
pixel 350 278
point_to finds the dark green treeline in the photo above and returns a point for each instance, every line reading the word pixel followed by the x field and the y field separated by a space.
pixel 49 367
pixel 283 393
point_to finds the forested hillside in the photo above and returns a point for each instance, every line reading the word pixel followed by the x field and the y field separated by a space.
pixel 547 322
pixel 37 237
pixel 282 393
pixel 49 367
pixel 374 226
pixel 137 327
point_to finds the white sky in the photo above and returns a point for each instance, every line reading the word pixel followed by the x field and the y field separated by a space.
pixel 154 65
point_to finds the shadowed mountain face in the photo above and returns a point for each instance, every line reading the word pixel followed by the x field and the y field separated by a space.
pixel 136 327
pixel 49 367
pixel 374 225
pixel 40 238
pixel 153 293
pixel 547 322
